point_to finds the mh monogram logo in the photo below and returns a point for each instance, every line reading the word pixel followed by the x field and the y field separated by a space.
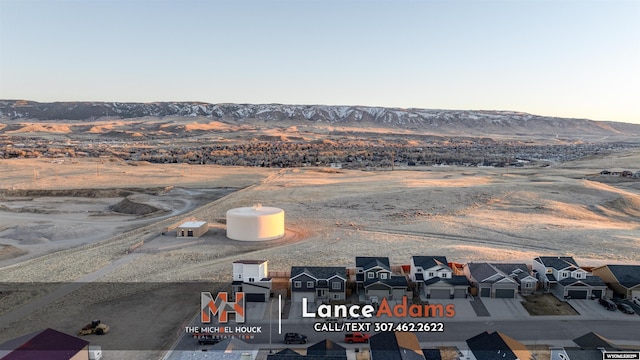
pixel 221 306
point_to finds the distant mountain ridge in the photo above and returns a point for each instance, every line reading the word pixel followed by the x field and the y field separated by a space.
pixel 445 121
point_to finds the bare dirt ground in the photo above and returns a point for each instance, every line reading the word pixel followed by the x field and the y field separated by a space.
pixel 466 214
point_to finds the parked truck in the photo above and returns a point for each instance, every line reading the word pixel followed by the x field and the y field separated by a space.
pixel 356 337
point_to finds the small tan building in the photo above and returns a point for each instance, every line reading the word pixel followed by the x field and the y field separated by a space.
pixel 192 229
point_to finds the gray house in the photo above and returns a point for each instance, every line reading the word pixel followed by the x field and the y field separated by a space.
pixel 374 278
pixel 500 280
pixel 527 283
pixel 562 276
pixel 318 283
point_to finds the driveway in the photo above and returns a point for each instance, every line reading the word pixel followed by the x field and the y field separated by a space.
pixel 505 309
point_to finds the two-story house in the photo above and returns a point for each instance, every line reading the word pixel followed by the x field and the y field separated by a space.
pixel 374 278
pixel 434 279
pixel 562 276
pixel 318 283
pixel 251 277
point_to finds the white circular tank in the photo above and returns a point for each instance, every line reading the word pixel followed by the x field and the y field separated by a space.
pixel 255 223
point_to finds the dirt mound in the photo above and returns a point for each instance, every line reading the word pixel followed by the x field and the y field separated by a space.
pixel 10 252
pixel 127 206
pixel 628 205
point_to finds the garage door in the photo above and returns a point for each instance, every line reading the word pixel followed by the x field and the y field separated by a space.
pixel 439 294
pixel 577 294
pixel 597 293
pixel 460 293
pixel 297 296
pixel 505 293
pixel 255 297
pixel 485 292
pixel 379 293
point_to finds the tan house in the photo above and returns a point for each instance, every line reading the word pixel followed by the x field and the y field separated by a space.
pixel 624 280
pixel 192 229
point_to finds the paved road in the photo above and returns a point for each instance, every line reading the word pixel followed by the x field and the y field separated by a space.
pixel 542 331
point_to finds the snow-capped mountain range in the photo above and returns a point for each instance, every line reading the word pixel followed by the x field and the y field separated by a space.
pixel 444 121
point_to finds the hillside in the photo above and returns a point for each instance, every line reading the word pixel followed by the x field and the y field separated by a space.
pixel 459 122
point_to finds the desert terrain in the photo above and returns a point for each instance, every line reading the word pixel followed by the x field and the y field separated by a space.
pixel 60 224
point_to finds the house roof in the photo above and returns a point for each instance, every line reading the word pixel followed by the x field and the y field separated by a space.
pixel 46 344
pixel 481 271
pixel 512 268
pixel 368 262
pixel 427 262
pixel 593 341
pixel 249 261
pixel 491 273
pixel 327 348
pixel 454 280
pixel 627 275
pixel 319 272
pixel 589 280
pixel 497 346
pixel 581 354
pixel 432 354
pixel 557 262
pixel 395 346
pixel 394 281
pixel 551 277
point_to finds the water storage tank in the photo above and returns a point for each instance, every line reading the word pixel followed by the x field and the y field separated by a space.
pixel 255 223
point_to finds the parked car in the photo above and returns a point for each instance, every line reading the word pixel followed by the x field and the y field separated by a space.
pixel 626 308
pixel 608 304
pixel 291 338
pixel 356 337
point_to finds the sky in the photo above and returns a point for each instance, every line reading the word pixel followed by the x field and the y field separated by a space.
pixel 578 58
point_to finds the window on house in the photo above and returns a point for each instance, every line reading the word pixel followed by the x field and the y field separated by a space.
pixel 335 285
pixel 252 279
pixel 528 285
pixel 239 276
pixel 370 275
pixel 431 274
pixel 360 271
pixel 383 275
pixel 564 274
pixel 309 284
pixel 444 275
pixel 297 284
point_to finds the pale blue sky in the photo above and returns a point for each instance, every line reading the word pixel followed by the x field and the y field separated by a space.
pixel 560 58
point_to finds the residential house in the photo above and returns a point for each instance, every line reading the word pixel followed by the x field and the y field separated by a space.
pixel 323 350
pixel 251 277
pixel 318 283
pixel 623 279
pixel 495 346
pixel 327 348
pixel 227 349
pixel 491 281
pixel 527 284
pixel 562 276
pixel 374 278
pixel 434 279
pixel 45 344
pixel 388 345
